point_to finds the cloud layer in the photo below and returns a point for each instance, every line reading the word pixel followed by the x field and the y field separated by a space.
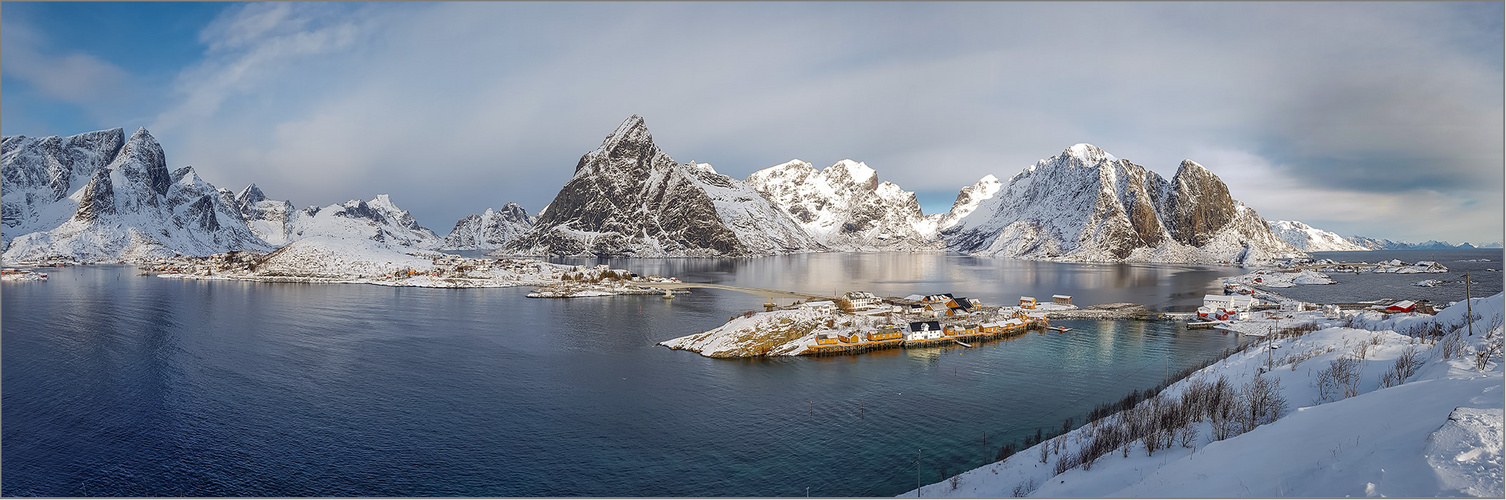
pixel 1347 115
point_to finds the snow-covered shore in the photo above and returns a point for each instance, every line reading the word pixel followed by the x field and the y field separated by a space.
pixel 350 260
pixel 1374 405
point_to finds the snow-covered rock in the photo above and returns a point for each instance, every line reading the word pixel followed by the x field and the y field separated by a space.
pixel 1085 205
pixel 335 257
pixel 845 207
pixel 133 209
pixel 489 230
pixel 629 198
pixel 968 200
pixel 377 220
pixel 37 175
pixel 1310 239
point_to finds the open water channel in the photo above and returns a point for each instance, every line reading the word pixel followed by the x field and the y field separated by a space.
pixel 122 385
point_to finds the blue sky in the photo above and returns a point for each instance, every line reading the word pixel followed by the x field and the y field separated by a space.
pixel 1380 119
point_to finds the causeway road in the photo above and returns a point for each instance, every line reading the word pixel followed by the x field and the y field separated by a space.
pixel 761 292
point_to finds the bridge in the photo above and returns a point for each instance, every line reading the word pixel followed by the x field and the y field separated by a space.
pixel 761 292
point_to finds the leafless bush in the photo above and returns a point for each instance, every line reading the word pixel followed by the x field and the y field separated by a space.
pixel 1360 351
pixel 1005 452
pixel 1377 339
pixel 1340 378
pixel 1066 462
pixel 1492 345
pixel 1449 346
pixel 1045 453
pixel 1224 410
pixel 1263 402
pixel 1406 365
pixel 1024 488
pixel 1187 435
pixel 955 479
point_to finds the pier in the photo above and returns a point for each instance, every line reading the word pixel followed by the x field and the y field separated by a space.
pixel 762 292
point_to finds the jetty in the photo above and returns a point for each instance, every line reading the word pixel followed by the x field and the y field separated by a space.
pixel 762 292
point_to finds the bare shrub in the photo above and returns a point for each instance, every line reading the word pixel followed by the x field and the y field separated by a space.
pixel 1492 345
pixel 1406 365
pixel 955 480
pixel 1224 409
pixel 1340 380
pixel 1005 452
pixel 1024 488
pixel 1263 402
pixel 1068 461
pixel 1187 435
pixel 1361 351
pixel 1449 346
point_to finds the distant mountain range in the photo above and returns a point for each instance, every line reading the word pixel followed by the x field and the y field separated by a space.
pixel 103 197
pixel 1311 239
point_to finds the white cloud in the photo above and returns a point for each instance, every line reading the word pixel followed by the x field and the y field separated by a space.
pixel 75 77
pixel 457 106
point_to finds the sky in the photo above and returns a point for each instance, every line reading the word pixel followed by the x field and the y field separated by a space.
pixel 1377 119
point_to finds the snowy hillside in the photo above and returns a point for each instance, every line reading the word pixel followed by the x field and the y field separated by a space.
pixel 377 220
pixel 1405 405
pixel 846 208
pixel 1310 239
pixel 1085 205
pixel 629 198
pixel 134 209
pixel 489 230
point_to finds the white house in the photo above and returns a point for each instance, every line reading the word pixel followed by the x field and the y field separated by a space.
pixel 820 305
pixel 1229 302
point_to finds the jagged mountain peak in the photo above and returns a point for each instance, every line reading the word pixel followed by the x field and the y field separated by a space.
pixel 850 171
pixel 250 195
pixel 1088 153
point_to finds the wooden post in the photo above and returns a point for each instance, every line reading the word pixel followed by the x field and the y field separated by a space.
pixel 1469 310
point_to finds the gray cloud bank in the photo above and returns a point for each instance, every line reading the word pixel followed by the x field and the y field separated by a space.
pixel 1383 119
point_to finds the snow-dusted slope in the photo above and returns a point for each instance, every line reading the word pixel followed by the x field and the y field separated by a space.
pixel 845 207
pixel 629 198
pixel 1086 205
pixel 40 172
pixel 1310 239
pixel 134 209
pixel 1434 432
pixel 968 200
pixel 489 230
pixel 377 220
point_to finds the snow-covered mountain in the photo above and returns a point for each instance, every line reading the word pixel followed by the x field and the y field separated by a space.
pixel 968 200
pixel 846 208
pixel 1086 205
pixel 1310 239
pixel 489 230
pixel 377 220
pixel 129 209
pixel 37 175
pixel 629 198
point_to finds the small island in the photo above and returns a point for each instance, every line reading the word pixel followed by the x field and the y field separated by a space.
pixel 859 321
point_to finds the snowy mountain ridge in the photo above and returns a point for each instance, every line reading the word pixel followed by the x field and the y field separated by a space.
pixel 1086 205
pixel 628 198
pixel 490 229
pixel 846 208
pixel 1310 239
pixel 130 209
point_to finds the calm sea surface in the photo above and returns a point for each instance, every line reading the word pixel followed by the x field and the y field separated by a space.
pixel 122 385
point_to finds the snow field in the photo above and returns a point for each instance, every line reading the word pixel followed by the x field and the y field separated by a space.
pixel 1434 432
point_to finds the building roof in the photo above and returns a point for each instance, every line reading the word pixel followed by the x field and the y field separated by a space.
pixel 929 325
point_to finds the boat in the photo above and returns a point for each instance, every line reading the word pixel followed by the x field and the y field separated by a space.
pixel 961 343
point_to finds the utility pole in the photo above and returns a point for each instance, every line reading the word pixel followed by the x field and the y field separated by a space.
pixel 1469 311
pixel 917 473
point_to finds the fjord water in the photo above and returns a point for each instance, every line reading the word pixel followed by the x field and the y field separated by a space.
pixel 124 385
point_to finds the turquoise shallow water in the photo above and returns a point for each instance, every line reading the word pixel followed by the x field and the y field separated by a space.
pixel 122 385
